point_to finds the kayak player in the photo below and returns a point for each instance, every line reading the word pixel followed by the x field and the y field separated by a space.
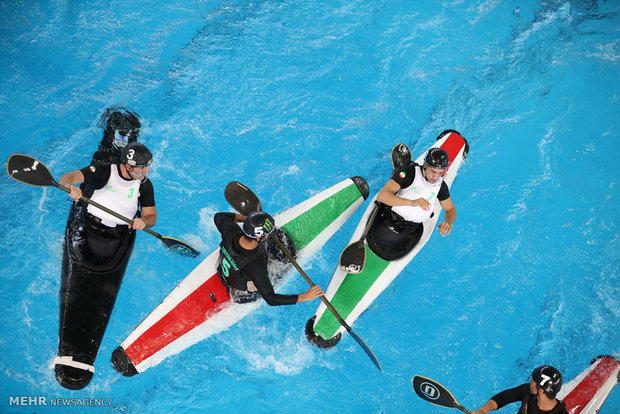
pixel 243 260
pixel 537 397
pixel 121 127
pixel 410 195
pixel 96 252
pixel 122 187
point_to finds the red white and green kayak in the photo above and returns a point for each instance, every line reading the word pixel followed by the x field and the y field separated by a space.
pixel 586 393
pixel 200 305
pixel 351 294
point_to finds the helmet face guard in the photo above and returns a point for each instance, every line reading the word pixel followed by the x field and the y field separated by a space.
pixel 427 168
pixel 437 159
pixel 139 175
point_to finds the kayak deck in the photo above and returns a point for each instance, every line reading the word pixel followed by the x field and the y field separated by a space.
pixel 351 294
pixel 200 306
pixel 586 393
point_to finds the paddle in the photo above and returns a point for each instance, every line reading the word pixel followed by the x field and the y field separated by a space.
pixel 29 170
pixel 400 155
pixel 353 257
pixel 242 199
pixel 435 393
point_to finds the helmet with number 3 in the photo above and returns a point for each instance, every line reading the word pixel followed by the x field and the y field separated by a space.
pixel 136 155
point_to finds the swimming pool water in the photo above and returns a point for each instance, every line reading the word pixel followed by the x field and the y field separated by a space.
pixel 290 98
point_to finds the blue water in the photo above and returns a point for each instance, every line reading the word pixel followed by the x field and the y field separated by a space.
pixel 290 98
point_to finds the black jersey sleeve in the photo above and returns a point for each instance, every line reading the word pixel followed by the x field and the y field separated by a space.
pixel 222 220
pixel 511 395
pixel 444 192
pixel 147 194
pixel 257 273
pixel 96 176
pixel 404 176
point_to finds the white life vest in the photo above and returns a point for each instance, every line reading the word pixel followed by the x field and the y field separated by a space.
pixel 119 195
pixel 420 188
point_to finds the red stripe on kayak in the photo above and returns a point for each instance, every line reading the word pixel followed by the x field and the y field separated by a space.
pixel 192 311
pixel 583 393
pixel 453 145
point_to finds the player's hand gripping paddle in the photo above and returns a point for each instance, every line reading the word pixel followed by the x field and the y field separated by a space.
pixel 242 199
pixel 29 170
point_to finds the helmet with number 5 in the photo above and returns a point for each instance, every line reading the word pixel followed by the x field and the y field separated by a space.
pixel 548 379
pixel 136 155
pixel 258 224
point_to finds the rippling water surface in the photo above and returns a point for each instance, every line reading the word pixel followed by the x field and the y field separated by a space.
pixel 290 98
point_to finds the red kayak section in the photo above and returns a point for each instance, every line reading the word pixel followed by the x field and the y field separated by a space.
pixel 453 145
pixel 579 397
pixel 197 307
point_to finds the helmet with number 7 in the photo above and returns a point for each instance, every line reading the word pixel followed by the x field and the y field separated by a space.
pixel 136 155
pixel 548 379
pixel 258 224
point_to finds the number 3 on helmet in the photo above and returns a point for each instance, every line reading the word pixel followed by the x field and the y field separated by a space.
pixel 136 155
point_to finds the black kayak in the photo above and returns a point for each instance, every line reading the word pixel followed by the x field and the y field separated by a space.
pixel 95 258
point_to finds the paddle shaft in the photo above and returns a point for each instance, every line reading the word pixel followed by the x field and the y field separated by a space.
pixel 245 201
pixel 28 170
pixel 370 220
pixel 327 303
pixel 107 210
pixel 355 252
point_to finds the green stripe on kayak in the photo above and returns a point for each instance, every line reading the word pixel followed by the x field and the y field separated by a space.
pixel 350 293
pixel 304 228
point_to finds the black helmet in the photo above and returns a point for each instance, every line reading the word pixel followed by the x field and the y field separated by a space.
pixel 258 224
pixel 549 379
pixel 437 158
pixel 136 155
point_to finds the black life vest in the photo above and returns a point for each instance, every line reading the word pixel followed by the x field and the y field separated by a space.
pixel 231 263
pixel 531 399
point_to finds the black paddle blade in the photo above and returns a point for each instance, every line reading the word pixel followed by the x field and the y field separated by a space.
pixel 327 303
pixel 241 198
pixel 29 170
pixel 365 347
pixel 353 258
pixel 179 247
pixel 435 393
pixel 401 156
